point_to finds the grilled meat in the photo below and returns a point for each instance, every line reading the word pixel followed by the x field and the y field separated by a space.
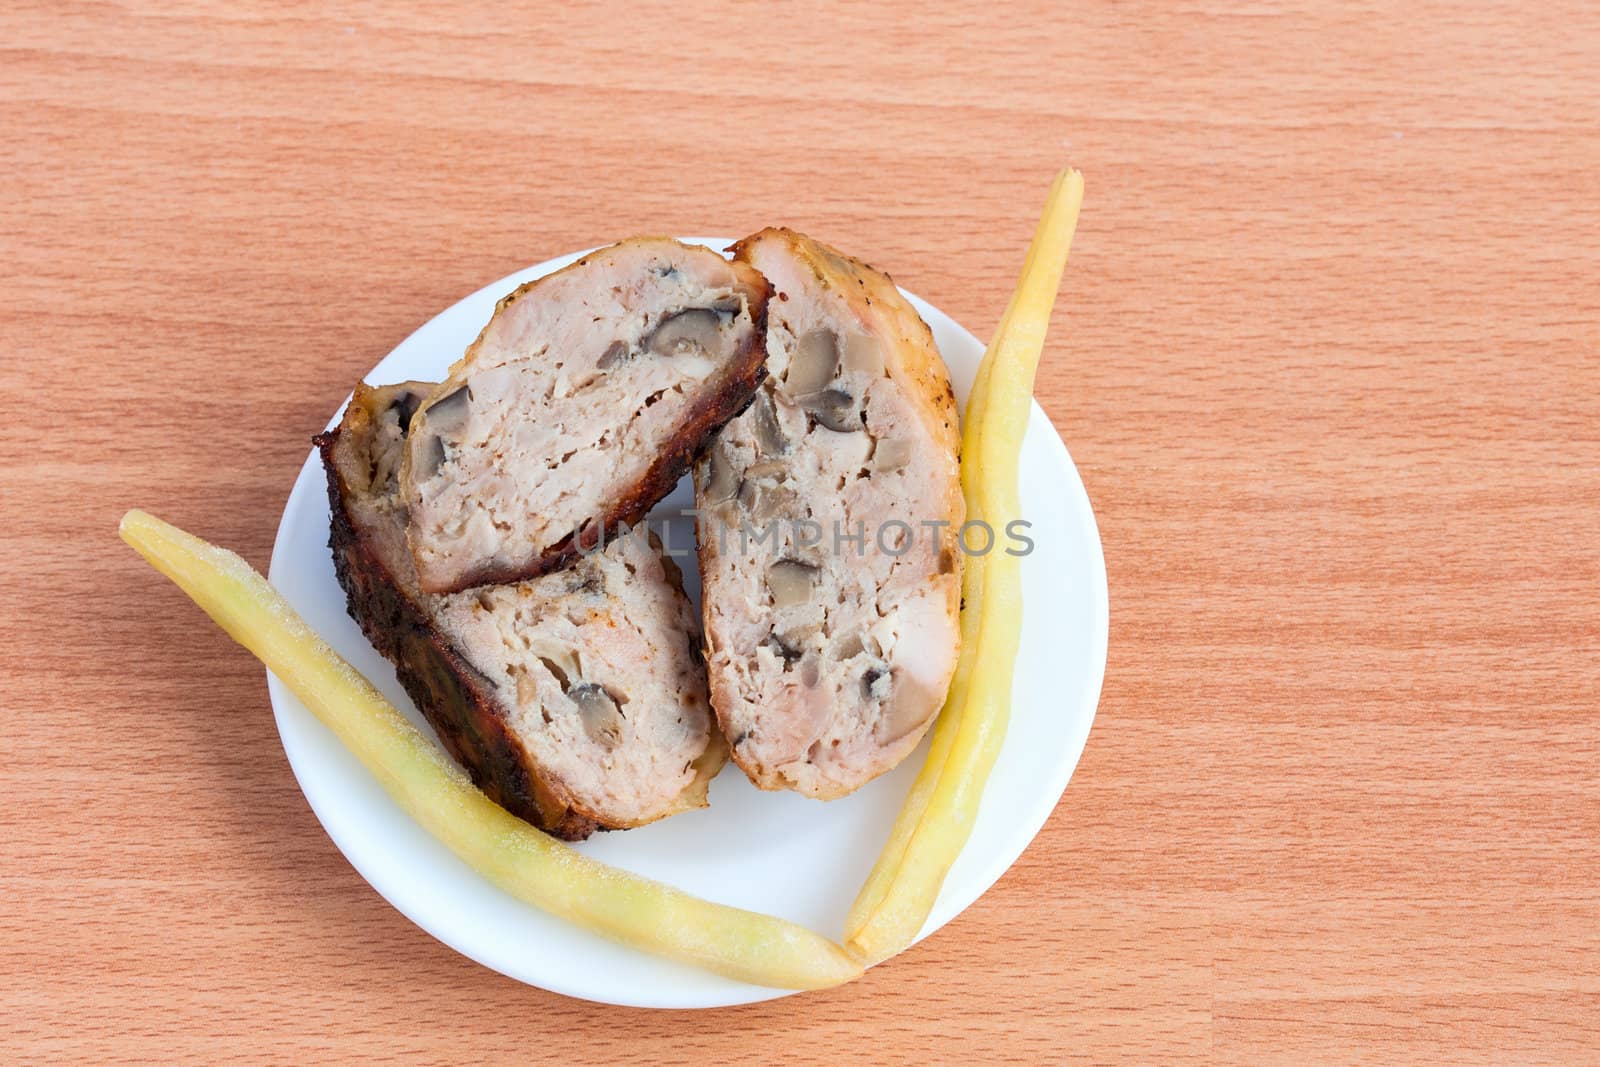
pixel 828 550
pixel 576 700
pixel 579 406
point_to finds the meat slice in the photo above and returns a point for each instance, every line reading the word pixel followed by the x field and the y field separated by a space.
pixel 579 406
pixel 829 656
pixel 576 700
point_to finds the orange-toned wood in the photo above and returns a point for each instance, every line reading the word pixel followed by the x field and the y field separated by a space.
pixel 1327 359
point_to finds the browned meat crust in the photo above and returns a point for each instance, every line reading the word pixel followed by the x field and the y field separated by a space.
pixel 452 695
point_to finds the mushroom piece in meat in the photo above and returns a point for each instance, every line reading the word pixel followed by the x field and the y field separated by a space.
pixel 768 433
pixel 445 417
pixel 833 408
pixel 813 362
pixel 448 413
pixel 602 719
pixel 765 501
pixel 848 646
pixel 433 458
pixel 790 582
pixel 690 332
pixel 891 454
pixel 721 480
pixel 895 722
pixel 771 470
pixel 860 354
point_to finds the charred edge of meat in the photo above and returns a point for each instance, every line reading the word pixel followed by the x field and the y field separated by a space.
pixel 451 694
pixel 736 391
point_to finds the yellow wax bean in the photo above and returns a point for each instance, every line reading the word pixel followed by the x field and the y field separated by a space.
pixel 422 779
pixel 939 816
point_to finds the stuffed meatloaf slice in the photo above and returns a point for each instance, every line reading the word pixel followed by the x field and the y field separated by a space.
pixel 576 700
pixel 579 407
pixel 827 547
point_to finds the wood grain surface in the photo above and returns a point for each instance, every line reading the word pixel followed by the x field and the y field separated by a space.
pixel 1328 358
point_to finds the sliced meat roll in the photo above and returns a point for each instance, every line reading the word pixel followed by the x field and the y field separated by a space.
pixel 828 531
pixel 576 700
pixel 579 406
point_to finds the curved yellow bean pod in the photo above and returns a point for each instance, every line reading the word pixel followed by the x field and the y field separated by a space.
pixel 900 892
pixel 905 825
pixel 528 864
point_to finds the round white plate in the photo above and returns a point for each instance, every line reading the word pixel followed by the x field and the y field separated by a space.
pixel 774 852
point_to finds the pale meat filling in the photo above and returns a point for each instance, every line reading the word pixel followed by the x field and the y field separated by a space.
pixel 564 407
pixel 836 659
pixel 595 664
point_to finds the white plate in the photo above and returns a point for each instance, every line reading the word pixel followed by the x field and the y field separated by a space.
pixel 774 852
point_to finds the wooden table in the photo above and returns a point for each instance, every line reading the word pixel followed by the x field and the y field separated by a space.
pixel 1327 359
